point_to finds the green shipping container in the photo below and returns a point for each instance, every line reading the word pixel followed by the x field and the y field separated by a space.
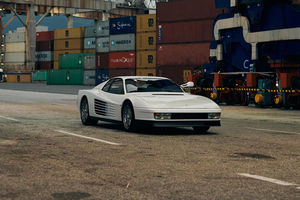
pixel 39 76
pixel 72 61
pixel 65 77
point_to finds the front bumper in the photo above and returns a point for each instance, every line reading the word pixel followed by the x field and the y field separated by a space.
pixel 162 123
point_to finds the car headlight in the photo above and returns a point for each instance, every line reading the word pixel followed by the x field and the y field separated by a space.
pixel 162 115
pixel 214 115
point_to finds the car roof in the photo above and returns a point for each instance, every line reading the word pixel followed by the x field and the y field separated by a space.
pixel 141 77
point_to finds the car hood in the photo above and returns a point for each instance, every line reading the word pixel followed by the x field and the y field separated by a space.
pixel 176 101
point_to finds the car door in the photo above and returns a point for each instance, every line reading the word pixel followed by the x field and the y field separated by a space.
pixel 111 97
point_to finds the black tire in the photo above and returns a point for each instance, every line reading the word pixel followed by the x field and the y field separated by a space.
pixel 201 129
pixel 128 118
pixel 84 113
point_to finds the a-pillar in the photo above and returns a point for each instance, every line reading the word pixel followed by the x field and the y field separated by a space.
pixel 70 21
pixel 30 38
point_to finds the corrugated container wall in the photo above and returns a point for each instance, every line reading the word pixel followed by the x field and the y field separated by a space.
pixel 65 77
pixel 44 36
pixel 45 45
pixel 44 65
pixel 89 77
pixel 122 59
pixel 18 57
pixel 145 23
pixel 146 41
pixel 178 74
pixel 121 72
pixel 102 29
pixel 89 43
pixel 145 59
pixel 44 56
pixel 186 10
pixel 90 62
pixel 124 25
pixel 101 75
pixel 57 53
pixel 19 77
pixel 102 61
pixel 68 44
pixel 102 45
pixel 90 32
pixel 124 42
pixel 71 61
pixel 15 47
pixel 69 33
pixel 15 37
pixel 146 72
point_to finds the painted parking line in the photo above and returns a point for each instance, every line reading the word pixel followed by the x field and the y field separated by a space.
pixel 269 130
pixel 271 180
pixel 86 137
pixel 9 118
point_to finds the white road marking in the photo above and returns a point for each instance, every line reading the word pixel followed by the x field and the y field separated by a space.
pixel 269 130
pixel 271 180
pixel 90 138
pixel 9 118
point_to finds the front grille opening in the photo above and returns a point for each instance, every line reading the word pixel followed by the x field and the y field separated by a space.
pixel 189 116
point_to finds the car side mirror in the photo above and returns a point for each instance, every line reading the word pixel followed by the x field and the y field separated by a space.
pixel 188 85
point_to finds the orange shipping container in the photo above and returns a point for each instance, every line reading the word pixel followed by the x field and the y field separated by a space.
pixel 69 44
pixel 145 59
pixel 69 33
pixel 56 65
pixel 89 51
pixel 146 41
pixel 146 72
pixel 145 23
pixel 57 53
pixel 19 77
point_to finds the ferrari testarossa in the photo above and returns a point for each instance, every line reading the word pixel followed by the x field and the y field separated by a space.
pixel 146 101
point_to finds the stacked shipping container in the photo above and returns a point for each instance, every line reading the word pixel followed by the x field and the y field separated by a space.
pixel 44 50
pixel 146 45
pixel 183 36
pixel 89 63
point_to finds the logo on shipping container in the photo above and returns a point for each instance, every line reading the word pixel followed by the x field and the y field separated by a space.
pixel 113 43
pixel 122 60
pixel 120 25
pixel 123 42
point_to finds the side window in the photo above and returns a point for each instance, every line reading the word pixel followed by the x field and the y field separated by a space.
pixel 117 87
pixel 107 85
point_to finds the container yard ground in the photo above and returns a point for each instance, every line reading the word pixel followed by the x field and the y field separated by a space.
pixel 47 154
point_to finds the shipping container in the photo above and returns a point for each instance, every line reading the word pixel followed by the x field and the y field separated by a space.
pixel 69 33
pixel 186 10
pixel 14 57
pixel 102 61
pixel 101 75
pixel 14 66
pixel 102 45
pixel 15 37
pixel 89 77
pixel 45 45
pixel 65 77
pixel 122 59
pixel 57 53
pixel 44 56
pixel 145 59
pixel 146 41
pixel 102 29
pixel 56 65
pixel 18 77
pixel 184 32
pixel 39 76
pixel 178 74
pixel 90 62
pixel 146 72
pixel 124 42
pixel 195 54
pixel 145 23
pixel 71 61
pixel 90 32
pixel 89 51
pixel 123 25
pixel 121 72
pixel 44 36
pixel 15 47
pixel 68 44
pixel 89 43
pixel 44 65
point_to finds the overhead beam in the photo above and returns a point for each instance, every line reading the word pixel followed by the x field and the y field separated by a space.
pixel 16 14
pixel 43 17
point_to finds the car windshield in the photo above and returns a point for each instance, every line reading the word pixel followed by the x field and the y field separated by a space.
pixel 151 85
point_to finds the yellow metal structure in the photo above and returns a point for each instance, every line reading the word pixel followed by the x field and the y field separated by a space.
pixel 69 33
pixel 145 59
pixel 19 78
pixel 259 98
pixel 145 23
pixel 146 41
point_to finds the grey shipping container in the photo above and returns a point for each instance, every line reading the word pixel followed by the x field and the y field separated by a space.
pixel 14 57
pixel 102 28
pixel 15 37
pixel 102 45
pixel 89 62
pixel 124 42
pixel 89 43
pixel 90 32
pixel 89 77
pixel 44 56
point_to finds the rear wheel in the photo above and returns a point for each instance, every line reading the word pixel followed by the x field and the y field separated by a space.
pixel 201 129
pixel 84 113
pixel 128 118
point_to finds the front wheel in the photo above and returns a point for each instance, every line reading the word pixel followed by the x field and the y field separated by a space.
pixel 84 113
pixel 201 129
pixel 128 118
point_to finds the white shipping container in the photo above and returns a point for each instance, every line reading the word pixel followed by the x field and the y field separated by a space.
pixel 14 66
pixel 15 47
pixel 102 45
pixel 90 62
pixel 15 37
pixel 44 56
pixel 14 58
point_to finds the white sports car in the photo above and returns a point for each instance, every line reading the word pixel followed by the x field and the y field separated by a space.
pixel 148 101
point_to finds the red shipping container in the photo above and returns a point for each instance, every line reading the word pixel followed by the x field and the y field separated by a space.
pixel 43 65
pixel 44 36
pixel 45 45
pixel 188 31
pixel 193 55
pixel 122 59
pixel 121 72
pixel 102 61
pixel 181 10
pixel 178 74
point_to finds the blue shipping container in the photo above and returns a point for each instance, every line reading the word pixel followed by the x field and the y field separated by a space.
pixel 101 75
pixel 122 25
